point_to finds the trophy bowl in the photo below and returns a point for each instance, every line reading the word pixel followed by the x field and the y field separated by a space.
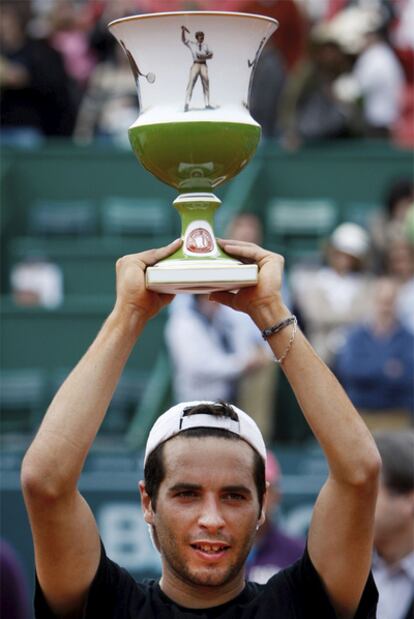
pixel 193 72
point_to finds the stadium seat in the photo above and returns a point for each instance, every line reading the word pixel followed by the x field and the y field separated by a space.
pixel 23 396
pixel 136 216
pixel 361 213
pixel 296 227
pixel 62 217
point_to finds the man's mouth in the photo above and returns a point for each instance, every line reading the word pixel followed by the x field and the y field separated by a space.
pixel 212 548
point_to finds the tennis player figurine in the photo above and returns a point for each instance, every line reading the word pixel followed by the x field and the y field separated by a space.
pixel 200 53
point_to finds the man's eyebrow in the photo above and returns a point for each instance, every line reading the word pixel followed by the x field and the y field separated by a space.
pixel 181 486
pixel 238 489
pixel 235 488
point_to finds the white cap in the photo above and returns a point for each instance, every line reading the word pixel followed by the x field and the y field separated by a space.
pixel 350 239
pixel 175 421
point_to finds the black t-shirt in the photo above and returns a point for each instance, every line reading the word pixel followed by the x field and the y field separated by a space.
pixel 294 593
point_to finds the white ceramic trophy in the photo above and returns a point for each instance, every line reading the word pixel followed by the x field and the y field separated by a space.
pixel 193 72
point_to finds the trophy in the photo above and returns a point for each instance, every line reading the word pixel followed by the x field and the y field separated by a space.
pixel 193 72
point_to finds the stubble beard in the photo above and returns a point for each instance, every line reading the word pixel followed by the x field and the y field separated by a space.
pixel 210 575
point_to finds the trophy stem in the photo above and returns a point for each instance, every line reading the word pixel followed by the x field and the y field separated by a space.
pixel 197 211
pixel 199 265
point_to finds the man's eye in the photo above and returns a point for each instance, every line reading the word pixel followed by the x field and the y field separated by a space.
pixel 234 496
pixel 186 494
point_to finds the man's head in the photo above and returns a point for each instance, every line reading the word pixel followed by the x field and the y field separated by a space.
pixel 385 297
pixel 199 36
pixel 246 227
pixel 394 514
pixel 203 491
pixel 348 248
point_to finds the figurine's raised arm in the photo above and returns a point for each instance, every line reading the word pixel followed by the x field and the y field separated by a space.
pixel 183 34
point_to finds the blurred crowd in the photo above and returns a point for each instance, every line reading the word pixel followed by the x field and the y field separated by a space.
pixel 333 69
pixel 355 303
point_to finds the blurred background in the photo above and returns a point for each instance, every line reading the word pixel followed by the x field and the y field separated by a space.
pixel 330 187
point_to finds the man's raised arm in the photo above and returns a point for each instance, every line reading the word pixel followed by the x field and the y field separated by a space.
pixel 341 533
pixel 65 535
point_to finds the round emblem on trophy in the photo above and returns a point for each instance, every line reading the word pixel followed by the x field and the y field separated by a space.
pixel 199 241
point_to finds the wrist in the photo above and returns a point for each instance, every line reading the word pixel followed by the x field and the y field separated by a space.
pixel 269 312
pixel 128 319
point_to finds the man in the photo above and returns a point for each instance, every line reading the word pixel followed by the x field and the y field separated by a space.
pixel 393 565
pixel 376 363
pixel 211 350
pixel 200 53
pixel 203 496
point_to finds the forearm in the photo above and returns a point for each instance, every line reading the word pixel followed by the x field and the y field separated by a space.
pixel 347 443
pixel 57 454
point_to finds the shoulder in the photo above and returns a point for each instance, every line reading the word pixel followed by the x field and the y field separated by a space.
pixel 302 589
pixel 113 594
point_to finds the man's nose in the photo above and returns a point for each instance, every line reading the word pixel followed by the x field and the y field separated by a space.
pixel 211 516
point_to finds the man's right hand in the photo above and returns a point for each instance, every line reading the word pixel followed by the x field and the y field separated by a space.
pixel 131 291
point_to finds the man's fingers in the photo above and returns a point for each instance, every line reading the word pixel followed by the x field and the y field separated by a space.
pixel 151 256
pixel 246 250
pixel 154 255
pixel 225 298
pixel 167 297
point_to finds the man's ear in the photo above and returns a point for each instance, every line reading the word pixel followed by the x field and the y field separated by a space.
pixel 146 504
pixel 262 516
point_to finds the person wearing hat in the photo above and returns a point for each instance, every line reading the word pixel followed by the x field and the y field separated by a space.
pixel 337 294
pixel 204 491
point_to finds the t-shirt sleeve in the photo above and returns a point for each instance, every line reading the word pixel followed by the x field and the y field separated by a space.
pixel 112 588
pixel 310 594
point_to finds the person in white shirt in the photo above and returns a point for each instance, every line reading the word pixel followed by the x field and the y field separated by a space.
pixel 210 349
pixel 380 78
pixel 393 564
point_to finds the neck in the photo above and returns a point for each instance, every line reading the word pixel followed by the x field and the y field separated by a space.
pixel 395 548
pixel 200 596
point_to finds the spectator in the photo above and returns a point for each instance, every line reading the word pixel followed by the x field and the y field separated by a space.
pixel 393 564
pixel 292 27
pixel 266 92
pixel 210 351
pixel 246 226
pixel 310 109
pixel 376 363
pixel 390 223
pixel 69 35
pixel 37 282
pixel 400 264
pixel 332 297
pixel 380 78
pixel 257 390
pixel 34 102
pixel 110 103
pixel 273 550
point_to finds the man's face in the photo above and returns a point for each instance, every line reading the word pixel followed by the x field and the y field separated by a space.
pixel 207 511
pixel 200 37
pixel 393 513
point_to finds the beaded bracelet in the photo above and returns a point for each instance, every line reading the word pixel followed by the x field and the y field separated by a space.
pixel 266 333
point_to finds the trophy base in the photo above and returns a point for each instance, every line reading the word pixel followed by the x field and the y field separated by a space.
pixel 200 276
